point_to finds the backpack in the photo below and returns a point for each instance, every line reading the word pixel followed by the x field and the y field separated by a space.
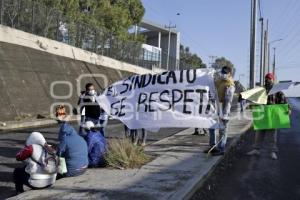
pixel 49 161
pixel 50 164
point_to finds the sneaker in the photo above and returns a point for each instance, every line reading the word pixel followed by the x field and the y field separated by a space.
pixel 143 144
pixel 274 156
pixel 253 152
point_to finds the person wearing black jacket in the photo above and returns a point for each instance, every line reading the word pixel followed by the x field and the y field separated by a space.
pixel 90 110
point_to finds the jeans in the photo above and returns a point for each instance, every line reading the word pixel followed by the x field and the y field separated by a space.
pixel 242 105
pixel 222 135
pixel 72 173
pixel 271 137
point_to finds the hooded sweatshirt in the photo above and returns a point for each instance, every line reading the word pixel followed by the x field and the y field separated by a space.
pixel 34 155
pixel 97 147
pixel 73 148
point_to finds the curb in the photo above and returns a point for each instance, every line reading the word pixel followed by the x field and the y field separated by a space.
pixel 198 182
pixel 30 124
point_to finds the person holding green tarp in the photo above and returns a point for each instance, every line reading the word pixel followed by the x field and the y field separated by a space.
pixel 271 134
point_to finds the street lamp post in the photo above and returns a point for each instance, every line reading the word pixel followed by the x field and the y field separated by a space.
pixel 269 46
pixel 169 43
pixel 252 43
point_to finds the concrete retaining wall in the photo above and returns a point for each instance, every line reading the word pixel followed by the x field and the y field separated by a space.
pixel 30 67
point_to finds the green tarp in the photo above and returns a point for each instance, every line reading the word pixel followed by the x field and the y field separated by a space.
pixel 271 117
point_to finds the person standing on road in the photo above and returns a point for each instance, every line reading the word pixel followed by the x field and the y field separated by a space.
pixel 225 89
pixel 90 109
pixel 136 135
pixel 271 134
pixel 242 103
pixel 139 135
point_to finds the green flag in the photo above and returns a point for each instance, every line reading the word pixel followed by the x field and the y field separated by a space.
pixel 271 117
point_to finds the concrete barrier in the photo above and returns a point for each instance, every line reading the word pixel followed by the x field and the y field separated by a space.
pixel 36 73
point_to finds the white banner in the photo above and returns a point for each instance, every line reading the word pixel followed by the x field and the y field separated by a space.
pixel 169 99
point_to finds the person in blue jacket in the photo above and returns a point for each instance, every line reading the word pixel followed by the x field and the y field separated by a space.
pixel 71 146
pixel 96 145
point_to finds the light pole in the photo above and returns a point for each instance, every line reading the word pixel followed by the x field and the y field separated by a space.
pixel 261 75
pixel 252 43
pixel 269 46
pixel 169 41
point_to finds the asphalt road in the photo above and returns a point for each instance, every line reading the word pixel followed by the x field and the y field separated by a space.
pixel 260 178
pixel 11 143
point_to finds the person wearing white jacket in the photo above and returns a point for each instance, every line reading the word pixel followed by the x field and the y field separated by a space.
pixel 41 163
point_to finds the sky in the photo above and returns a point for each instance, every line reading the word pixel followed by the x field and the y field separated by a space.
pixel 222 28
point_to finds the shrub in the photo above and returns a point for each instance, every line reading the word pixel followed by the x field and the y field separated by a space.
pixel 122 154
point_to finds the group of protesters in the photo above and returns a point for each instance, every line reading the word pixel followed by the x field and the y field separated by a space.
pixel 87 147
pixel 76 151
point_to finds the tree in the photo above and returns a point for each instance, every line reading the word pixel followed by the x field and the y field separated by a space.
pixel 221 62
pixel 95 25
pixel 189 60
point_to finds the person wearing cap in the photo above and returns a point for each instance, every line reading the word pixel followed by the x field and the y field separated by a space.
pixel 96 145
pixel 271 134
pixel 225 89
pixel 71 146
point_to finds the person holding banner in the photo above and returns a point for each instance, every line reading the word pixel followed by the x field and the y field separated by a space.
pixel 271 134
pixel 90 109
pixel 225 89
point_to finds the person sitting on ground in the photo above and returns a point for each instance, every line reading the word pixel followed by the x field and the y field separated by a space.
pixel 277 98
pixel 41 164
pixel 96 145
pixel 71 146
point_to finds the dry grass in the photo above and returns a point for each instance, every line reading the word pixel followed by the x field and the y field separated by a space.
pixel 122 154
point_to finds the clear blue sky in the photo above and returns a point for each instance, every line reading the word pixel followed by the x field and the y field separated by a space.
pixel 222 28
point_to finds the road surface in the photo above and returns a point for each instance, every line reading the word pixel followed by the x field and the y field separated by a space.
pixel 11 143
pixel 261 178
